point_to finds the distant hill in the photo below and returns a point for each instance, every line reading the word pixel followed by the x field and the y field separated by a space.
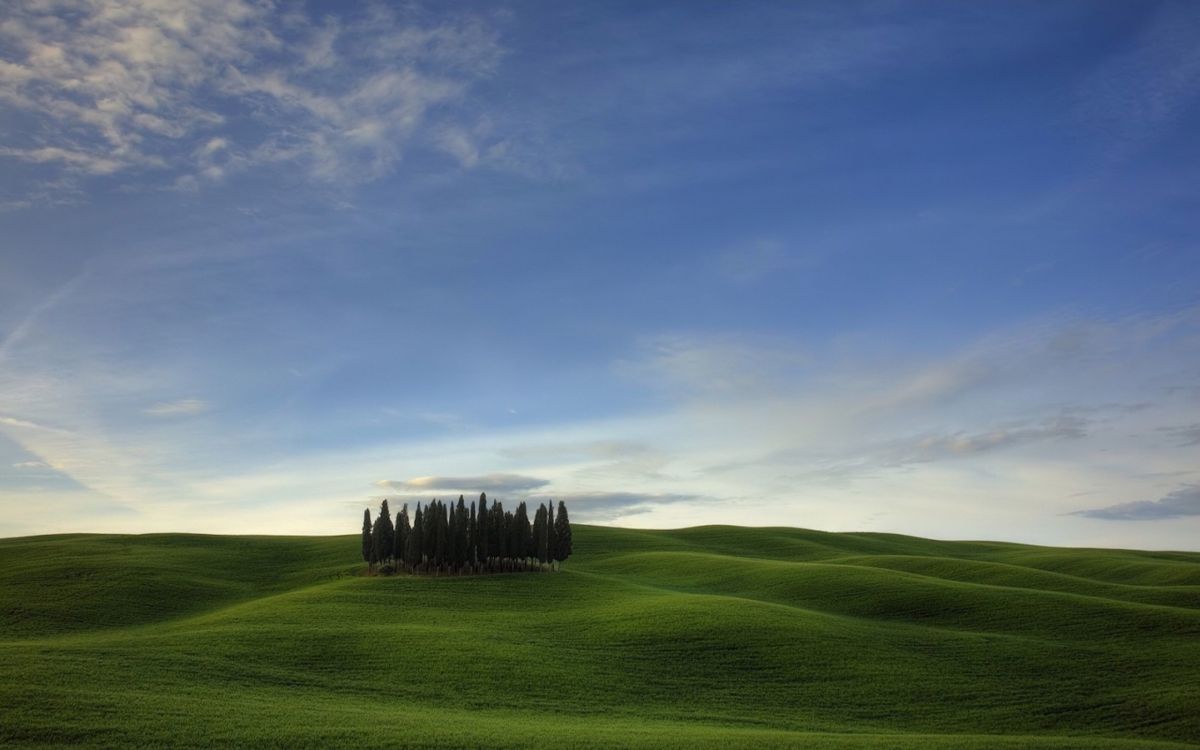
pixel 707 637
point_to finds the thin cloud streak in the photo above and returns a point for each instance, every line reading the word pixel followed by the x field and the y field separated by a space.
pixel 182 407
pixel 1181 503
pixel 1186 435
pixel 29 322
pixel 605 507
pixel 482 483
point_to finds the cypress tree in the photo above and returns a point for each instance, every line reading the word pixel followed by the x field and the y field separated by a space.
pixel 540 538
pixel 366 536
pixel 523 533
pixel 443 535
pixel 412 549
pixel 462 534
pixel 550 539
pixel 472 537
pixel 403 529
pixel 562 534
pixel 501 530
pixel 452 537
pixel 377 548
pixel 387 532
pixel 429 538
pixel 510 535
pixel 482 528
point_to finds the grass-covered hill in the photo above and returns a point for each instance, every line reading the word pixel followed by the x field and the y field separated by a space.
pixel 705 637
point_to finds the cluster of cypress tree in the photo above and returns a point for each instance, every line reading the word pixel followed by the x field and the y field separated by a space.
pixel 455 538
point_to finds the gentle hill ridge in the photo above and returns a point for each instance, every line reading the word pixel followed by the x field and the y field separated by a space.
pixel 884 593
pixel 995 573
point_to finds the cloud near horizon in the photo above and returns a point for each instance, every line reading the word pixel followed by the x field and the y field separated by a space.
pixel 1183 502
pixel 482 483
pixel 591 507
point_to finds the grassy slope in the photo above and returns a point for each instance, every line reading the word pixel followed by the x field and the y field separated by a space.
pixel 715 636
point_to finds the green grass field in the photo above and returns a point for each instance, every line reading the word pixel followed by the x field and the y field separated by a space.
pixel 705 637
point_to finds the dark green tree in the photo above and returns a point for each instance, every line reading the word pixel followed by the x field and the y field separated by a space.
pixel 510 536
pixel 403 529
pixel 540 539
pixel 412 548
pixel 472 537
pixel 462 533
pixel 387 533
pixel 562 534
pixel 550 541
pixel 443 535
pixel 429 539
pixel 522 532
pixel 452 537
pixel 366 536
pixel 483 528
pixel 500 529
pixel 378 548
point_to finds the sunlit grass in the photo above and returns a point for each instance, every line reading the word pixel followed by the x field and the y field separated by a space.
pixel 718 636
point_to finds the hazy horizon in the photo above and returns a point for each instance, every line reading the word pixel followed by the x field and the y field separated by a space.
pixel 928 269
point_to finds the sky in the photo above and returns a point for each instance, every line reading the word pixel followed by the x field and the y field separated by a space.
pixel 926 268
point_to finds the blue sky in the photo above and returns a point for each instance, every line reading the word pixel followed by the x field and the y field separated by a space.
pixel 927 268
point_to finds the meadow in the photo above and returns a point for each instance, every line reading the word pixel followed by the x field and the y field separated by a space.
pixel 703 637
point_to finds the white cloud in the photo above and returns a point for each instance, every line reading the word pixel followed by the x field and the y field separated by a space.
pixel 182 407
pixel 76 160
pixel 460 144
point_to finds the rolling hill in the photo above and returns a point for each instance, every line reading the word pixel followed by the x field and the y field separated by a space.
pixel 703 637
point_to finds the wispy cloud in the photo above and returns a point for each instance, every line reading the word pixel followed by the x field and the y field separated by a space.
pixel 577 450
pixel 1181 503
pixel 26 424
pixel 960 444
pixel 1186 434
pixel 713 365
pixel 752 261
pixel 73 160
pixel 482 483
pixel 180 408
pixel 871 458
pixel 599 507
pixel 29 321
pixel 203 89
